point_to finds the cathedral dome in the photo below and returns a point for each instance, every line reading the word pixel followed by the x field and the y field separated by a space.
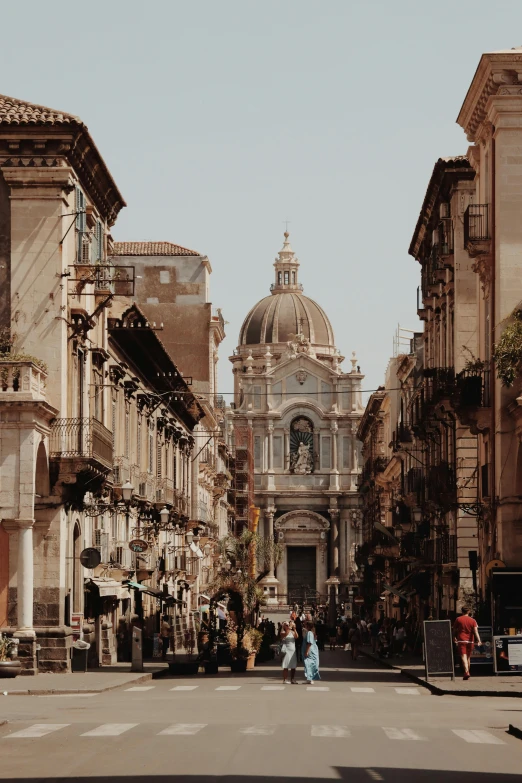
pixel 287 311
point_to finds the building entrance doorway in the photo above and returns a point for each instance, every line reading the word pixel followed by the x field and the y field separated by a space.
pixel 301 569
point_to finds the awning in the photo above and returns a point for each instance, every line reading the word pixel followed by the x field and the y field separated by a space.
pixel 385 530
pixel 147 590
pixel 106 587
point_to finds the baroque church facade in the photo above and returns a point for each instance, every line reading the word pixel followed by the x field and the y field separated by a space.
pixel 303 411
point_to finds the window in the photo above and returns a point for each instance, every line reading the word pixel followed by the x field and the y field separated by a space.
pixel 98 396
pixel 127 432
pixel 287 280
pixel 293 278
pixel 151 451
pixel 113 423
pixel 277 447
pixel 326 452
pixel 279 278
pixel 138 443
pixel 347 453
pixel 257 451
pixel 326 394
pixel 175 467
pixel 83 245
pixel 97 243
pixel 159 455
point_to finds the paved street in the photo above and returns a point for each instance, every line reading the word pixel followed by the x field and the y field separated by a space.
pixel 360 723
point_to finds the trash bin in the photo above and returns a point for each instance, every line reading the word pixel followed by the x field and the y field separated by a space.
pixel 79 656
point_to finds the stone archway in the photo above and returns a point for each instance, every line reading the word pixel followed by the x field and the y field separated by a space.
pixel 299 531
pixel 41 479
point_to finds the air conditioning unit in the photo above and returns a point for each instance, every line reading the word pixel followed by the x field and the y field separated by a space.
pixel 101 543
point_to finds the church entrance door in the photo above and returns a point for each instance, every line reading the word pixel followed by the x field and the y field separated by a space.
pixel 301 574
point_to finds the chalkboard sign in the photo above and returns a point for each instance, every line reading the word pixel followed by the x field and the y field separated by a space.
pixel 438 648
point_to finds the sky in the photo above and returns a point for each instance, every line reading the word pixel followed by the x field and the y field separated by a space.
pixel 219 121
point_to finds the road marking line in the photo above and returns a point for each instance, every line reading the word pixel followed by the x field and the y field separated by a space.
pixel 272 687
pixel 228 688
pixel 478 737
pixel 139 688
pixel 402 734
pixel 66 695
pixel 38 730
pixel 109 730
pixel 374 775
pixel 317 688
pixel 330 731
pixel 408 691
pixel 263 730
pixel 185 688
pixel 362 690
pixel 186 729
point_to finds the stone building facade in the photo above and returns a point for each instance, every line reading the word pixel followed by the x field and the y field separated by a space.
pixel 303 412
pixel 98 424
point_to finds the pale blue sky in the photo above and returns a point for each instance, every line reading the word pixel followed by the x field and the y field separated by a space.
pixel 220 120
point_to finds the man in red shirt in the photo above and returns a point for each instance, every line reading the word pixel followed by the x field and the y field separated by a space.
pixel 465 631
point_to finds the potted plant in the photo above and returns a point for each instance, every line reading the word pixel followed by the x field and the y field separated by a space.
pixel 10 666
pixel 244 645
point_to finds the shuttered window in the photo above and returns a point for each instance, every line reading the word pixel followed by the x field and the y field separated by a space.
pixel 82 246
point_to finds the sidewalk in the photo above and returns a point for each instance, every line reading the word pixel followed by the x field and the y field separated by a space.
pixel 479 685
pixel 95 681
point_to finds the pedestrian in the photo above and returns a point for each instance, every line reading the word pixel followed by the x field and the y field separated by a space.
pixel 355 639
pixel 165 637
pixel 311 654
pixel 399 639
pixel 299 629
pixel 332 636
pixel 288 640
pixel 465 631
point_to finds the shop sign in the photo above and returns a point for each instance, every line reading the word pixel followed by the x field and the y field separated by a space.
pixel 508 654
pixel 138 545
pixel 77 625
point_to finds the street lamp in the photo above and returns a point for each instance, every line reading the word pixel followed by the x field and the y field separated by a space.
pixel 164 516
pixel 189 537
pixel 127 491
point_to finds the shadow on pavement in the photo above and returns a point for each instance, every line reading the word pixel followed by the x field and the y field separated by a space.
pixel 352 774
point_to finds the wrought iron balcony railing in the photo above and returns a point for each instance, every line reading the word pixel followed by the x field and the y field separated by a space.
pixel 84 438
pixel 476 224
pixel 474 388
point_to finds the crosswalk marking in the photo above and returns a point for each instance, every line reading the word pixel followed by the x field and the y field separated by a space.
pixel 228 688
pixel 139 688
pixel 263 730
pixel 401 734
pixel 186 729
pixel 109 730
pixel 38 730
pixel 272 688
pixel 408 691
pixel 362 690
pixel 66 695
pixel 317 688
pixel 478 737
pixel 185 688
pixel 330 731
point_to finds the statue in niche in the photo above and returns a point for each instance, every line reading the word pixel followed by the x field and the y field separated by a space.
pixel 301 446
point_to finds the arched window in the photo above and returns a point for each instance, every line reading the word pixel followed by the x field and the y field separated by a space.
pixel 301 446
pixel 287 278
pixel 293 278
pixel 279 278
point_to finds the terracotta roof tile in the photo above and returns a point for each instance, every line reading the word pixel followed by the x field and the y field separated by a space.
pixel 14 111
pixel 151 249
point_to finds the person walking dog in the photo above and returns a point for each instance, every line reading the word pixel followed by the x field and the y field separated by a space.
pixel 465 631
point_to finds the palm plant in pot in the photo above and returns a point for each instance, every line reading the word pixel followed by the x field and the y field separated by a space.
pixel 10 666
pixel 243 650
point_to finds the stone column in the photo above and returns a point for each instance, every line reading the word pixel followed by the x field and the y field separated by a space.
pixel 334 472
pixel 269 527
pixel 25 577
pixel 286 462
pixel 334 543
pixel 270 430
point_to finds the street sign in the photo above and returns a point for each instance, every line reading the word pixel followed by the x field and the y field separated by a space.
pixel 138 545
pixel 90 557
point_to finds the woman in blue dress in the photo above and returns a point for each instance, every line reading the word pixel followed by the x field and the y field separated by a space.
pixel 310 654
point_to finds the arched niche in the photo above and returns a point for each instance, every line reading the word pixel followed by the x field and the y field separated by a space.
pixel 301 445
pixel 41 483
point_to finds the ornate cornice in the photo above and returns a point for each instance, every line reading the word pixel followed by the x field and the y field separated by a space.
pixel 294 520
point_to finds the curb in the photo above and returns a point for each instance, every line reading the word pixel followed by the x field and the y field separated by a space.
pixel 64 692
pixel 516 731
pixel 436 691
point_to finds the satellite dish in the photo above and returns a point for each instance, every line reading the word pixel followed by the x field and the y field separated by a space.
pixel 90 557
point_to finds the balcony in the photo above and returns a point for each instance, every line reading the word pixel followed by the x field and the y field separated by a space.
pixel 441 550
pixel 22 378
pixel 441 484
pixel 81 445
pixel 439 384
pixel 477 230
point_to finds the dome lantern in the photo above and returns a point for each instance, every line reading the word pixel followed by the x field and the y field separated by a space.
pixel 286 269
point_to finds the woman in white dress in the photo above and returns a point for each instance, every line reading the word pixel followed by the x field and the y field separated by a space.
pixel 288 639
